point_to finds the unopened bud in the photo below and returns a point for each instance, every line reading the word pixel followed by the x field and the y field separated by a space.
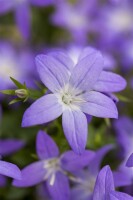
pixel 21 93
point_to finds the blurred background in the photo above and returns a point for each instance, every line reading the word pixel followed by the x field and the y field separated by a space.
pixel 30 27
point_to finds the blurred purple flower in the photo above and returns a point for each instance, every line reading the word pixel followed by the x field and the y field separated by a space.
pixel 124 132
pixel 83 189
pixel 76 18
pixel 19 65
pixel 7 147
pixel 75 90
pixel 126 54
pixel 74 52
pixel 10 170
pixel 22 12
pixel 52 167
pixel 116 22
pixel 104 187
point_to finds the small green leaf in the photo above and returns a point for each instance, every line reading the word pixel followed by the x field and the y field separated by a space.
pixel 17 83
pixel 14 101
pixel 123 98
pixel 8 92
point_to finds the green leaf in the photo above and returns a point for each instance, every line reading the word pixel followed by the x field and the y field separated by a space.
pixel 8 92
pixel 15 101
pixel 123 98
pixel 17 83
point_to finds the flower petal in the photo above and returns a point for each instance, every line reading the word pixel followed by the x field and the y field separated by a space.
pixel 87 71
pixel 63 58
pixel 104 184
pixel 99 105
pixel 119 196
pixel 45 146
pixel 42 111
pixel 23 19
pixel 73 162
pixel 75 131
pixel 109 82
pixel 52 72
pixel 10 170
pixel 6 6
pixel 122 178
pixel 9 146
pixel 94 165
pixel 130 161
pixel 60 189
pixel 87 52
pixel 31 175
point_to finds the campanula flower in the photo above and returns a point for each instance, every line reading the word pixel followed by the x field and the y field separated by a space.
pixel 22 12
pixel 76 90
pixel 85 180
pixel 124 134
pixel 53 167
pixel 104 187
pixel 76 18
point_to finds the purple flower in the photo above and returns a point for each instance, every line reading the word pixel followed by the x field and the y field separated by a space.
pixel 22 12
pixel 76 18
pixel 124 133
pixel 124 130
pixel 53 167
pixel 130 161
pixel 85 179
pixel 75 90
pixel 10 170
pixel 104 187
pixel 117 19
pixel 17 64
pixel 126 54
pixel 7 147
pixel 74 52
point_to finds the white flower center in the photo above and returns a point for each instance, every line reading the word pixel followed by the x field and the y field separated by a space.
pixel 69 97
pixel 52 166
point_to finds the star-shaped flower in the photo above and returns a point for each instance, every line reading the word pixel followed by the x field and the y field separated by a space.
pixel 52 167
pixel 75 92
